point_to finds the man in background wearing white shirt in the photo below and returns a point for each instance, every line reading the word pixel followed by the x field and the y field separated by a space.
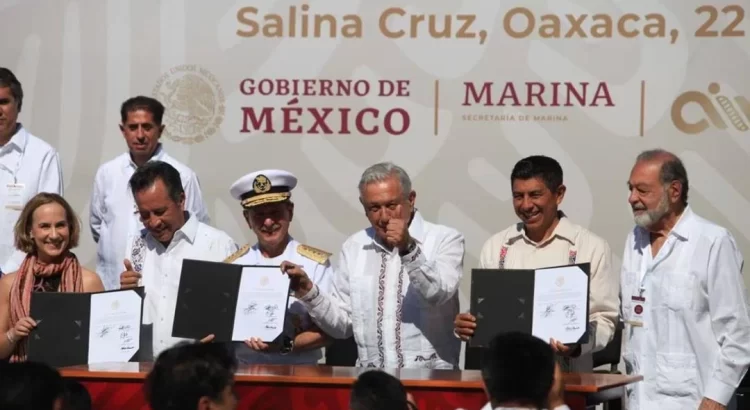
pixel 28 166
pixel 683 297
pixel 396 286
pixel 155 253
pixel 113 213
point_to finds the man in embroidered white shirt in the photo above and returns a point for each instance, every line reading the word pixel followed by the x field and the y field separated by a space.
pixel 113 214
pixel 267 207
pixel 155 254
pixel 684 302
pixel 28 166
pixel 396 285
pixel 546 237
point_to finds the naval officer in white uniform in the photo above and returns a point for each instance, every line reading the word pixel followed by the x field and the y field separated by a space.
pixel 267 208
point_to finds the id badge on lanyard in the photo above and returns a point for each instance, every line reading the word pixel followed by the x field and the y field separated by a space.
pixel 638 300
pixel 14 196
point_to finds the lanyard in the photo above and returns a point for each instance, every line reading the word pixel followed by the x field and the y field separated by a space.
pixel 14 173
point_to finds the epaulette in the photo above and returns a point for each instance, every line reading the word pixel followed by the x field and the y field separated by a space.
pixel 315 254
pixel 233 257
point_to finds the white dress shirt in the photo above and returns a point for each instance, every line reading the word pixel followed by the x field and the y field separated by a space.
pixel 400 309
pixel 114 216
pixel 161 268
pixel 568 244
pixel 33 166
pixel 296 313
pixel 694 335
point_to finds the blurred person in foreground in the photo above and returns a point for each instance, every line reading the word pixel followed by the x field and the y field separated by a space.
pixel 192 376
pixel 378 390
pixel 520 372
pixel 30 386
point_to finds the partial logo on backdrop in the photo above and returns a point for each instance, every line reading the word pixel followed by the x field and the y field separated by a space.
pixel 194 103
pixel 539 101
pixel 709 109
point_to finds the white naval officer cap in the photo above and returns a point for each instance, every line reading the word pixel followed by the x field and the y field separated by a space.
pixel 262 187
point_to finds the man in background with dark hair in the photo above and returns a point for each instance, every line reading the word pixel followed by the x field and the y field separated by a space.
pixel 155 253
pixel 113 214
pixel 28 166
pixel 546 237
pixel 378 390
pixel 520 372
pixel 30 385
pixel 192 377
pixel 684 302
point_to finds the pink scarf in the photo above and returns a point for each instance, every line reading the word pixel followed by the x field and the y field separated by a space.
pixel 23 286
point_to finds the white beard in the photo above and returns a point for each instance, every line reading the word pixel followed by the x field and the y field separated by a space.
pixel 649 218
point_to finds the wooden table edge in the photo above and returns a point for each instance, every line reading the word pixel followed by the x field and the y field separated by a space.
pixel 271 379
pixel 334 381
pixel 578 388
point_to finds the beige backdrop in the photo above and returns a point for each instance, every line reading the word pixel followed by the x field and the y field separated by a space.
pixel 78 60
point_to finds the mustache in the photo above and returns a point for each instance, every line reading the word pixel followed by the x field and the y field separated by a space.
pixel 271 229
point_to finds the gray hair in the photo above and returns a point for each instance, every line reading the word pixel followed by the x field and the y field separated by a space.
pixel 382 171
pixel 672 169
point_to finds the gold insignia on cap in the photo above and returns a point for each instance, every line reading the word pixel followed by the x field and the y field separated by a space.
pixel 233 257
pixel 314 254
pixel 261 184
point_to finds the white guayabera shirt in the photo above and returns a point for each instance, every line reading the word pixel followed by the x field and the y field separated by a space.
pixel 161 268
pixel 687 331
pixel 400 309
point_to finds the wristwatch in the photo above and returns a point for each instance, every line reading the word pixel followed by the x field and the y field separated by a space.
pixel 287 345
pixel 409 249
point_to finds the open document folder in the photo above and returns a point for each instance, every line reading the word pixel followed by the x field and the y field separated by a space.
pixel 85 328
pixel 232 302
pixel 547 303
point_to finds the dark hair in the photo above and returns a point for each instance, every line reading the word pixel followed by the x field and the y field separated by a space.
pixel 518 367
pixel 8 79
pixel 146 175
pixel 76 396
pixel 539 166
pixel 188 371
pixel 29 385
pixel 147 104
pixel 378 390
pixel 672 169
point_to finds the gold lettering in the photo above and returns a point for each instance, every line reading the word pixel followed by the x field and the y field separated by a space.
pixel 298 23
pixel 658 28
pixel 621 25
pixel 602 27
pixel 530 22
pixel 383 22
pixel 551 30
pixel 575 25
pixel 468 21
pixel 242 18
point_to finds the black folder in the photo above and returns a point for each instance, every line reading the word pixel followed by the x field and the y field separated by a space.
pixel 207 299
pixel 502 300
pixel 61 337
